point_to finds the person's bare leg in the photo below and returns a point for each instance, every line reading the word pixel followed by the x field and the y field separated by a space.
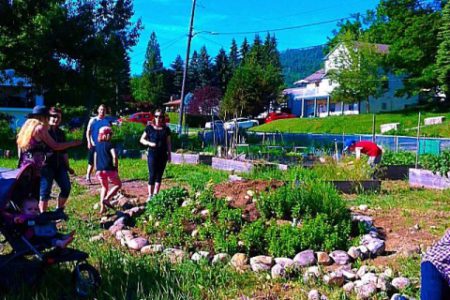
pixel 112 192
pixel 157 187
pixel 61 202
pixel 103 193
pixel 89 172
pixel 150 191
pixel 43 206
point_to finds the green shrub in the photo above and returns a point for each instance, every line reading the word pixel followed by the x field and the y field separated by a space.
pixel 319 233
pixel 283 240
pixel 437 163
pixel 166 202
pixel 398 158
pixel 7 135
pixel 173 227
pixel 252 235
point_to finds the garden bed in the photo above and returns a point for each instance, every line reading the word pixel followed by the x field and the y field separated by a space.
pixel 191 158
pixel 394 172
pixel 359 186
pixel 243 166
pixel 427 179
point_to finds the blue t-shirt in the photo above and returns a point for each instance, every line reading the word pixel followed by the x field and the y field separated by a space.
pixel 96 124
pixel 104 157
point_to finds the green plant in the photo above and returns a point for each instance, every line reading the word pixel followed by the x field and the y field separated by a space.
pixel 283 240
pixel 166 202
pixel 252 235
pixel 437 163
pixel 403 158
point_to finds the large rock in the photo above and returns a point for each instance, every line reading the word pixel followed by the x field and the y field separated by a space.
pixel 334 278
pixel 200 255
pixel 124 235
pixel 152 249
pixel 362 271
pixel 348 287
pixel 312 273
pixel 135 211
pixel 355 253
pixel 366 290
pixel 383 283
pixel 305 258
pixel 261 263
pixel 220 258
pixel 114 228
pixel 137 243
pixel 369 277
pixel 175 255
pixel 401 283
pixel 284 262
pixel 278 271
pixel 375 245
pixel 323 259
pixel 340 257
pixel 313 295
pixel 239 261
pixel 349 275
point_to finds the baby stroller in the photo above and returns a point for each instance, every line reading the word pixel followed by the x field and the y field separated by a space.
pixel 26 261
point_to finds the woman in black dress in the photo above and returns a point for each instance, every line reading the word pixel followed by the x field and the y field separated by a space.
pixel 156 137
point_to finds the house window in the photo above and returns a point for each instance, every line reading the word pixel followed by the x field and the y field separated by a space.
pixel 317 83
pixel 385 85
pixel 384 106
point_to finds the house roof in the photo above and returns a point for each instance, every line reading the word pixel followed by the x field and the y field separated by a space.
pixel 315 77
pixel 382 48
pixel 9 78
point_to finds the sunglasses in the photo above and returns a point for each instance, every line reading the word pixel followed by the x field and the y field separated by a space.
pixel 158 116
pixel 54 116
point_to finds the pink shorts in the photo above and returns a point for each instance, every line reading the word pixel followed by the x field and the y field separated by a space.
pixel 108 176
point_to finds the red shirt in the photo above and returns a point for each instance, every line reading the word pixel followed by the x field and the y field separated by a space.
pixel 369 148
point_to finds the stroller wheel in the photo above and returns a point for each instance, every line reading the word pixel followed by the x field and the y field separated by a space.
pixel 86 279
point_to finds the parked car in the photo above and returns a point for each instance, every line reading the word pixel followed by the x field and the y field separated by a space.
pixel 217 123
pixel 278 116
pixel 242 123
pixel 142 117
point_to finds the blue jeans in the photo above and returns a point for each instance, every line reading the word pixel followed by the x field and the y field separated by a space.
pixel 433 285
pixel 60 176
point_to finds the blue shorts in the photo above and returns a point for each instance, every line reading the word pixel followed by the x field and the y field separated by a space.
pixel 61 176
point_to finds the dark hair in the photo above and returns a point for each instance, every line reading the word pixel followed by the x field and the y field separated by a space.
pixel 55 110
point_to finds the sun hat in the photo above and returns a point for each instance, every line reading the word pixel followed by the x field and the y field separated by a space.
pixel 349 144
pixel 39 110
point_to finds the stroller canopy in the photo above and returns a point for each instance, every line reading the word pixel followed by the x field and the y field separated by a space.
pixel 15 183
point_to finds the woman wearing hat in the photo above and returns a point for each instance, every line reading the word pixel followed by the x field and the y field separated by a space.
pixel 56 167
pixel 34 140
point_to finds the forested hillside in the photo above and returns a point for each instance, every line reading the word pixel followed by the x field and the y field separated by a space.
pixel 299 63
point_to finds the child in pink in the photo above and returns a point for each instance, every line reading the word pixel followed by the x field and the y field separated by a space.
pixel 106 164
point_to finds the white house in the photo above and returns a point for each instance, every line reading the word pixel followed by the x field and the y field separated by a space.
pixel 311 96
pixel 17 97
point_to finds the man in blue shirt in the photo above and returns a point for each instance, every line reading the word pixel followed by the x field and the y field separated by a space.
pixel 92 131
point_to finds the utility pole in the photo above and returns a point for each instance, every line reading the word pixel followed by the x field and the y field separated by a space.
pixel 186 65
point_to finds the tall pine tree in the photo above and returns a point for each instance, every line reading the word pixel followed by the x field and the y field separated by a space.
pixel 244 50
pixel 234 56
pixel 222 72
pixel 443 54
pixel 204 68
pixel 193 72
pixel 177 67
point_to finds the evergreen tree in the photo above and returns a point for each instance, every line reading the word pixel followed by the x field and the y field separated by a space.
pixel 443 54
pixel 177 67
pixel 257 54
pixel 152 86
pixel 245 49
pixel 271 54
pixel 193 72
pixel 204 68
pixel 234 56
pixel 222 70
pixel 153 62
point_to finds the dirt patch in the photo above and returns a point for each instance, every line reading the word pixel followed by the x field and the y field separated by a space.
pixel 407 232
pixel 239 198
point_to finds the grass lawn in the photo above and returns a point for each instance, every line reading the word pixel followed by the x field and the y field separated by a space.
pixel 129 275
pixel 358 124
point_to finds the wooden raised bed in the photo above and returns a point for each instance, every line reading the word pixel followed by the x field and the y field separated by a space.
pixel 426 179
pixel 191 158
pixel 361 186
pixel 394 172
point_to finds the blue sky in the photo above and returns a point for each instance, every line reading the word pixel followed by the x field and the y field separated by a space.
pixel 170 20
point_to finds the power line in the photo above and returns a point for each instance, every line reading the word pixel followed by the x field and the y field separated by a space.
pixel 282 28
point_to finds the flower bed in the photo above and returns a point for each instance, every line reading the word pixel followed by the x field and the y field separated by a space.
pixel 427 179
